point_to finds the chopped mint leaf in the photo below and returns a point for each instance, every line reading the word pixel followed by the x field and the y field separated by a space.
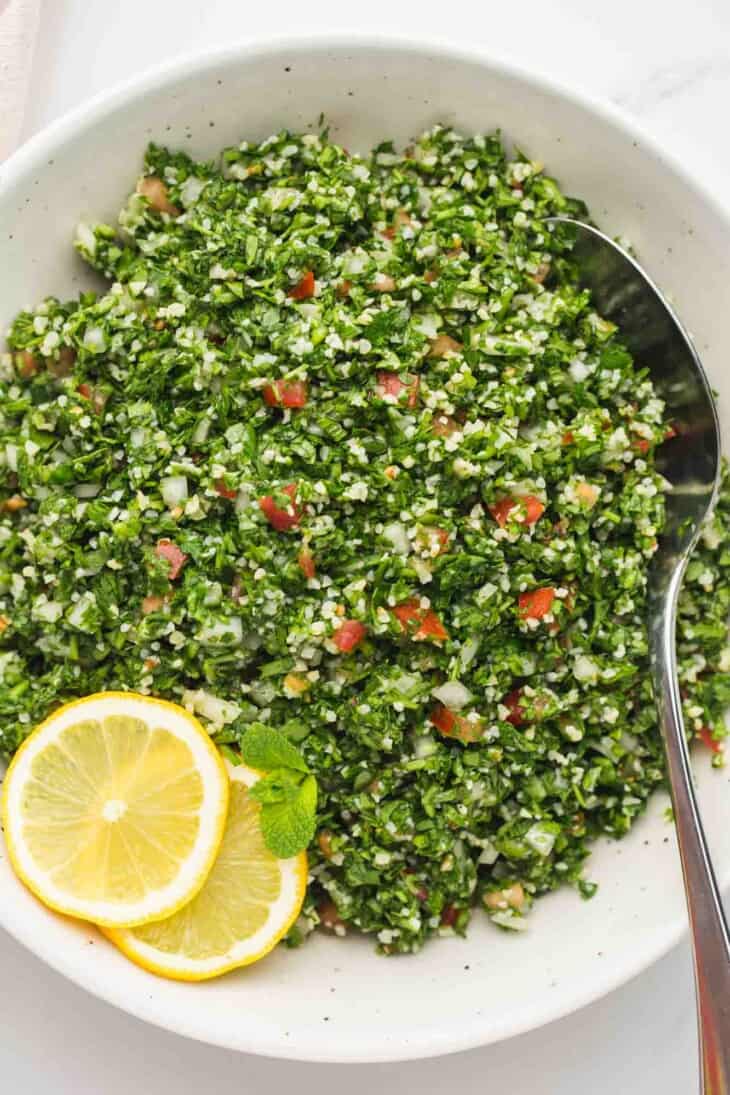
pixel 288 826
pixel 267 749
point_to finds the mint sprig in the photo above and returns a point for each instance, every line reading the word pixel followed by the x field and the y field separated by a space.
pixel 287 793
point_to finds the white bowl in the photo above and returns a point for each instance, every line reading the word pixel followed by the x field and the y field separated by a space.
pixel 336 1000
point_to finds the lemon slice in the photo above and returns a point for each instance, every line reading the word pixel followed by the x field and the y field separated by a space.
pixel 114 808
pixel 249 901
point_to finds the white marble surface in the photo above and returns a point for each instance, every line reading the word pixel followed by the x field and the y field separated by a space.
pixel 667 63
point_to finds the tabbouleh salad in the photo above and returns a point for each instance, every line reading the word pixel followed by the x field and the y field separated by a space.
pixel 345 450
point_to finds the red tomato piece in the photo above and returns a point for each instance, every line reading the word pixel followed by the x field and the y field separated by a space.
pixel 670 432
pixel 443 719
pixel 433 540
pixel 534 509
pixel 96 398
pixel 536 603
pixel 421 623
pixel 442 536
pixel 304 288
pixel 568 437
pixel 348 635
pixel 282 519
pixel 451 725
pixel 449 916
pixel 306 563
pixel 223 490
pixel 443 425
pixel 286 393
pixel 641 445
pixel 516 711
pixel 152 604
pixel 173 555
pixel 705 733
pixel 391 384
pixel 501 510
pixel 431 628
pixel 408 612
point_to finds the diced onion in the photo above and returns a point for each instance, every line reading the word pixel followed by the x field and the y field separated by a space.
pixel 584 669
pixel 453 695
pixel 243 500
pixel 424 746
pixel 190 190
pixel 217 711
pixel 468 652
pixel 231 628
pixel 87 490
pixel 200 434
pixel 396 534
pixel 174 490
pixel 85 236
pixel 405 683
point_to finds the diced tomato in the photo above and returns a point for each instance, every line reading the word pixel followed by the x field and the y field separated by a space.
pixel 433 540
pixel 223 490
pixel 443 719
pixel 536 603
pixel 449 916
pixel 96 398
pixel 670 432
pixel 329 917
pixel 306 563
pixel 705 733
pixel 391 384
pixel 421 623
pixel 443 425
pixel 501 510
pixel 152 604
pixel 641 445
pixel 451 725
pixel 304 288
pixel 173 555
pixel 27 364
pixel 516 711
pixel 534 508
pixel 443 345
pixel 286 393
pixel 343 289
pixel 568 437
pixel 324 840
pixel 282 519
pixel 348 635
pixel 431 628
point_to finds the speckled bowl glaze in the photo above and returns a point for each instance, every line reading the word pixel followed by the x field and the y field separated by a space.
pixel 335 999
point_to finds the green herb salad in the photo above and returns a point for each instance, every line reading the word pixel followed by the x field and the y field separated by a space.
pixel 343 451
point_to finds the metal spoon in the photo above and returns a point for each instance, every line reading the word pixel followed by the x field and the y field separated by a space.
pixel 624 294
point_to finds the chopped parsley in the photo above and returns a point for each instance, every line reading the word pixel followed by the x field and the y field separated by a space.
pixel 344 452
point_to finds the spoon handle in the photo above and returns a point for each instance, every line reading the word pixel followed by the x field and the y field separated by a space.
pixel 708 927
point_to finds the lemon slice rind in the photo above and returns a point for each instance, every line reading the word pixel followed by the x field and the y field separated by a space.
pixel 157 903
